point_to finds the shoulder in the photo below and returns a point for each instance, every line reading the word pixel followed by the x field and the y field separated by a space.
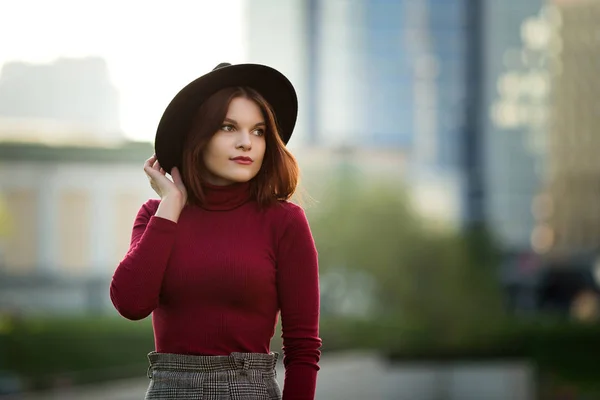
pixel 288 218
pixel 145 214
pixel 149 208
pixel 293 229
pixel 284 212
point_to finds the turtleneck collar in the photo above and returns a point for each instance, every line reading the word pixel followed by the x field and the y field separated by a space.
pixel 223 198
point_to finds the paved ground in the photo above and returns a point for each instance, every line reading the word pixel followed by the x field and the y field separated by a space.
pixel 362 376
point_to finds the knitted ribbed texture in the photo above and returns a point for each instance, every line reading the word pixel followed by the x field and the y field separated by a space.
pixel 216 280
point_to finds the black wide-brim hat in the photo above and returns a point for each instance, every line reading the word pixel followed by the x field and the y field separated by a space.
pixel 176 121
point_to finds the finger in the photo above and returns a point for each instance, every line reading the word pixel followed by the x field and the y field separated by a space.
pixel 148 170
pixel 149 162
pixel 151 172
pixel 162 171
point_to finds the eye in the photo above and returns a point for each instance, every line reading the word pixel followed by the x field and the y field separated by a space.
pixel 227 128
pixel 259 132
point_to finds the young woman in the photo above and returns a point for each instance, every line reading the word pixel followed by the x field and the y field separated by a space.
pixel 223 251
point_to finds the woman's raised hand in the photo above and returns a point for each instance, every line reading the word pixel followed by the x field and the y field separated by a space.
pixel 172 192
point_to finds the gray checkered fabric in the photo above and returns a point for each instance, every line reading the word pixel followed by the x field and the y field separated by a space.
pixel 239 376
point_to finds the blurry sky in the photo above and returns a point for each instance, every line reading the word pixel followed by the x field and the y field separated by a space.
pixel 153 48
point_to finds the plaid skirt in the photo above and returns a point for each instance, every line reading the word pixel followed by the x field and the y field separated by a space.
pixel 238 376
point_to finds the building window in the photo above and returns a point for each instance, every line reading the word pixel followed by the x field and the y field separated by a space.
pixel 21 244
pixel 74 216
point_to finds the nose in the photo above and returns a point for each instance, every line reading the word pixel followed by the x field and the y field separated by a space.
pixel 244 141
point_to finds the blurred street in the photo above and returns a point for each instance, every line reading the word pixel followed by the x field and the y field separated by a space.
pixel 362 376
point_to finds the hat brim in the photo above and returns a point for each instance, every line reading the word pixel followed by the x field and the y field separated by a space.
pixel 175 122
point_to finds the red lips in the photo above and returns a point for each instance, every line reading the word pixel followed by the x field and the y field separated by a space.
pixel 242 160
pixel 247 159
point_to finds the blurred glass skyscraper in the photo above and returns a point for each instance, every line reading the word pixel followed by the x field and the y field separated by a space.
pixel 402 74
pixel 516 91
pixel 567 210
pixel 397 66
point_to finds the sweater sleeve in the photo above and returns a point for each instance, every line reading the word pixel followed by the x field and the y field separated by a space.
pixel 136 283
pixel 299 299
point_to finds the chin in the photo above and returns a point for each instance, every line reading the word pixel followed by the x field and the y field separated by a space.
pixel 242 178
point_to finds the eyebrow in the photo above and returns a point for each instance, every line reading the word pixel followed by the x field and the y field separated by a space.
pixel 233 121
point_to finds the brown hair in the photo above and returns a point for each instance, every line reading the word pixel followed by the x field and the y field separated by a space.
pixel 278 176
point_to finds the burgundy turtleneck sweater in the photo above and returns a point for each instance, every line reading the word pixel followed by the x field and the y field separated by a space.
pixel 216 280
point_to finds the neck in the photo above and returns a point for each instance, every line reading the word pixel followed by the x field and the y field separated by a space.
pixel 223 198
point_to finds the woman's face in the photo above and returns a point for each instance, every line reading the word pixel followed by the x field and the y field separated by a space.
pixel 235 153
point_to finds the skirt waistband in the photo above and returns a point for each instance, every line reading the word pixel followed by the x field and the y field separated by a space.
pixel 234 361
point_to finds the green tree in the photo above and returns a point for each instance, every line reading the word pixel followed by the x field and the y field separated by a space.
pixel 431 281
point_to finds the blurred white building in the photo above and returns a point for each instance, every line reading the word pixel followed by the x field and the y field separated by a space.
pixel 67 216
pixel 70 208
pixel 67 99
